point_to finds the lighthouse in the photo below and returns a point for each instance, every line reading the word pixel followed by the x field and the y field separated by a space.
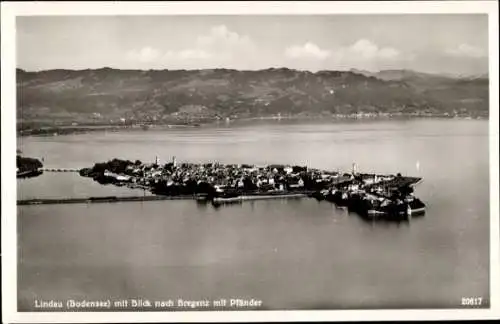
pixel 354 168
pixel 157 160
pixel 174 162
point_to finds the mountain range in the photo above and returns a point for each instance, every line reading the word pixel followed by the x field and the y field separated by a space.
pixel 109 96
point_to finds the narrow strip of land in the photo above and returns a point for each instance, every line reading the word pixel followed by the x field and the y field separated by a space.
pixel 111 199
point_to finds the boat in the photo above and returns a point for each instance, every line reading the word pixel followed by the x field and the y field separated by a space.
pixel 415 207
pixel 202 197
pixel 365 205
pixel 227 198
pixel 396 210
pixel 338 197
pixel 375 208
pixel 319 195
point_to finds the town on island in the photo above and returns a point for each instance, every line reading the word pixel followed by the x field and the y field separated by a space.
pixel 372 196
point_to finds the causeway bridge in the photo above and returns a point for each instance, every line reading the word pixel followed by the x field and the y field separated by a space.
pixel 60 169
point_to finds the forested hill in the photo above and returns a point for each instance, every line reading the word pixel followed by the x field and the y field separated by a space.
pixel 106 95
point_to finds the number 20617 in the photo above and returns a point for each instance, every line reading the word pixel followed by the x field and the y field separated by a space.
pixel 472 301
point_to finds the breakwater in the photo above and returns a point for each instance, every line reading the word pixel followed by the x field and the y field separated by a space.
pixel 217 201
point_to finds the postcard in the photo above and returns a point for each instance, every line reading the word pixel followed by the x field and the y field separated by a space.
pixel 228 161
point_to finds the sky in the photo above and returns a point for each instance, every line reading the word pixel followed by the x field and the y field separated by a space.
pixel 433 43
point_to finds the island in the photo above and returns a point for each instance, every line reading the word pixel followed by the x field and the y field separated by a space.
pixel 370 195
pixel 28 167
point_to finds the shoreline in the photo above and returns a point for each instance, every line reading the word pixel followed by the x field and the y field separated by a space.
pixel 83 129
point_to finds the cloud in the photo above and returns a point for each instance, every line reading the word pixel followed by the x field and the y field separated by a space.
pixel 365 54
pixel 369 50
pixel 361 54
pixel 187 54
pixel 466 50
pixel 308 50
pixel 217 48
pixel 220 47
pixel 221 36
pixel 144 55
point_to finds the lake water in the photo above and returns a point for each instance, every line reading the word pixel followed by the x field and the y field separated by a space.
pixel 291 254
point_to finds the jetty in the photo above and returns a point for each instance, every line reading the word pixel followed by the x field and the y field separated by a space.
pixel 217 201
